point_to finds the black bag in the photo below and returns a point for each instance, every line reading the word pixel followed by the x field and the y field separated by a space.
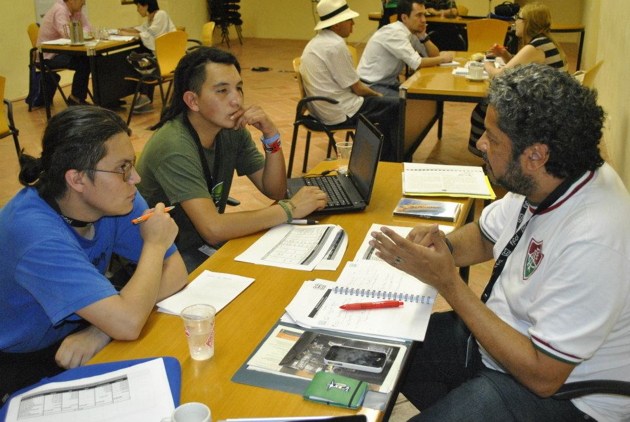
pixel 507 9
pixel 143 63
pixel 35 96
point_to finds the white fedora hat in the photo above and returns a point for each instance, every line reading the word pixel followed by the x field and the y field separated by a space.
pixel 333 11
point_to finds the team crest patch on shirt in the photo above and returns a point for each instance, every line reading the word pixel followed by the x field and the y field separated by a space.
pixel 533 259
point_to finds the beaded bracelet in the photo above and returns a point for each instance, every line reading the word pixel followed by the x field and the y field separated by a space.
pixel 285 206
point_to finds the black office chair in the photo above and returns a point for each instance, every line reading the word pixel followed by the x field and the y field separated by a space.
pixel 574 390
pixel 312 123
pixel 7 126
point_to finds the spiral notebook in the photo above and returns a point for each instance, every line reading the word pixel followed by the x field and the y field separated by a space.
pixel 317 304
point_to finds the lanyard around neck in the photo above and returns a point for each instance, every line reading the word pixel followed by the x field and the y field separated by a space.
pixel 202 156
pixel 511 245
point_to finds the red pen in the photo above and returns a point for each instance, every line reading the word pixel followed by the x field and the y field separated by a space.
pixel 372 305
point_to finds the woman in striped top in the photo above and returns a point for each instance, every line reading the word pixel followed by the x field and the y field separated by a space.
pixel 533 27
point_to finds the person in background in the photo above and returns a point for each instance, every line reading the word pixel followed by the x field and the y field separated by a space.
pixel 56 305
pixel 51 28
pixel 557 307
pixel 327 70
pixel 158 23
pixel 403 42
pixel 201 140
pixel 533 27
pixel 442 8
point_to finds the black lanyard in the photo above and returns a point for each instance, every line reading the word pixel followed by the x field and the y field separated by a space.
pixel 202 156
pixel 511 245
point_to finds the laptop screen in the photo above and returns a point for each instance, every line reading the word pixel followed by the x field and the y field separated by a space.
pixel 366 151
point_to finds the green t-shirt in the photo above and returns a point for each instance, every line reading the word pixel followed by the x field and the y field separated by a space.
pixel 171 171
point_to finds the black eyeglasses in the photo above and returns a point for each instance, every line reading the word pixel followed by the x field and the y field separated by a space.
pixel 125 170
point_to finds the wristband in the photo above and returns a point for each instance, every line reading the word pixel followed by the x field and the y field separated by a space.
pixel 273 144
pixel 285 206
pixel 425 39
pixel 449 244
pixel 269 141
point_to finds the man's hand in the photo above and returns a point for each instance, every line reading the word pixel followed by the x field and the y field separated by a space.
pixel 255 116
pixel 421 235
pixel 160 228
pixel 446 56
pixel 78 348
pixel 307 200
pixel 432 264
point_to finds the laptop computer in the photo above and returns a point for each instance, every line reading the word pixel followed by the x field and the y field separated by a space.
pixel 355 186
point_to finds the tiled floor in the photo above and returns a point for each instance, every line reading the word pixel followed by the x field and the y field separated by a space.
pixel 276 92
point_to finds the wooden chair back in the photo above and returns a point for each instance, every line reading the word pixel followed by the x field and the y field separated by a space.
pixel 169 49
pixel 484 33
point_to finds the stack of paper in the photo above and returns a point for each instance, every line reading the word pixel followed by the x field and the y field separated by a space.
pixel 319 246
pixel 443 180
pixel 216 289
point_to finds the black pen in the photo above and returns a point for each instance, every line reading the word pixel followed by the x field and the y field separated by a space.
pixel 306 222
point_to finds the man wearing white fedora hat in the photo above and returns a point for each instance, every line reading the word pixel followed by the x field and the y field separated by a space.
pixel 327 70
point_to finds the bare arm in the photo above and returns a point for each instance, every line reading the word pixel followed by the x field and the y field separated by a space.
pixel 527 54
pixel 122 316
pixel 436 266
pixel 359 88
pixel 215 228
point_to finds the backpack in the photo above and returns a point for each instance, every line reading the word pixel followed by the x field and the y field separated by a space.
pixel 507 9
pixel 35 96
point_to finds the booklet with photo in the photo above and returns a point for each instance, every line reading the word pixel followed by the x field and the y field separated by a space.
pixel 429 209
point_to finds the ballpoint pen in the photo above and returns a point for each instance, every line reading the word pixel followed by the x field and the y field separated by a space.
pixel 372 305
pixel 147 216
pixel 301 221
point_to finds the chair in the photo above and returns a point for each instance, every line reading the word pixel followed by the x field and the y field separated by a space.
pixel 462 10
pixel 312 123
pixel 225 13
pixel 587 78
pixel 206 33
pixel 169 49
pixel 573 390
pixel 484 33
pixel 355 55
pixel 7 126
pixel 34 65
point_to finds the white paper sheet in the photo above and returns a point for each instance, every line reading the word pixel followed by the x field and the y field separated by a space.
pixel 138 393
pixel 216 289
pixel 294 247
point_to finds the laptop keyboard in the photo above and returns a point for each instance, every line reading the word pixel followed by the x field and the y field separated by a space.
pixel 337 196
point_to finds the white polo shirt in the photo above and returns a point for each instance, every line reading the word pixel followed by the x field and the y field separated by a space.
pixel 566 286
pixel 387 52
pixel 327 70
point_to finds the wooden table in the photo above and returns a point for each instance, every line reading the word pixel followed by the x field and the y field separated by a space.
pixel 452 34
pixel 427 86
pixel 108 66
pixel 242 325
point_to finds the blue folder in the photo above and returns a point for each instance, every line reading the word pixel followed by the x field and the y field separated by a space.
pixel 173 373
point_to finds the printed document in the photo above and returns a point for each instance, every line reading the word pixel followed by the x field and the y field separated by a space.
pixel 445 180
pixel 298 247
pixel 138 393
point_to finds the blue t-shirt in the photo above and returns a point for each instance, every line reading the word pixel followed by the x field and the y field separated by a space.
pixel 48 271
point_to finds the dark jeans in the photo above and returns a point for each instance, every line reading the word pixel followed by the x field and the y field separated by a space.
pixel 383 112
pixel 448 381
pixel 81 67
pixel 19 370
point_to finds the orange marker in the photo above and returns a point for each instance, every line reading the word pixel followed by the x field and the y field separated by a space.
pixel 147 216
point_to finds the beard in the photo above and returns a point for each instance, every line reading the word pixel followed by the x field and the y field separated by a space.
pixel 513 180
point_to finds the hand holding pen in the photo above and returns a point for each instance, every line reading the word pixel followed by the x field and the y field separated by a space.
pixel 145 217
pixel 158 228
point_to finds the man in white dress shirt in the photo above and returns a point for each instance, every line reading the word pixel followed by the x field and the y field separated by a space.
pixel 403 42
pixel 327 70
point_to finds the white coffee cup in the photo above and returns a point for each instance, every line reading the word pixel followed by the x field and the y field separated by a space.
pixel 190 412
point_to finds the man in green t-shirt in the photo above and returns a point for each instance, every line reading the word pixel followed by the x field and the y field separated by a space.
pixel 207 119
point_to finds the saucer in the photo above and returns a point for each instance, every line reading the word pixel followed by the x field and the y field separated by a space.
pixel 470 78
